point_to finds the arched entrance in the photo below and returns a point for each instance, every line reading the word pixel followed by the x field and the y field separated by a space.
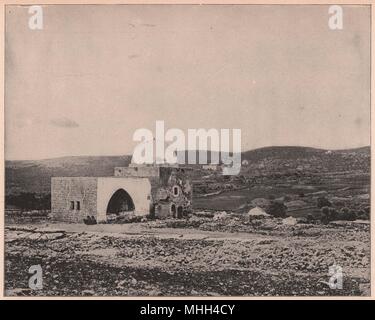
pixel 120 201
pixel 179 212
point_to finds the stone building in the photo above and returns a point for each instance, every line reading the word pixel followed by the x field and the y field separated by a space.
pixel 156 191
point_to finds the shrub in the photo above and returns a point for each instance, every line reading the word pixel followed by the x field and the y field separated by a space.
pixel 347 214
pixel 333 214
pixel 277 209
pixel 363 217
pixel 323 202
pixel 351 216
pixel 29 201
pixel 325 214
pixel 310 217
pixel 361 212
pixel 344 211
pixel 287 198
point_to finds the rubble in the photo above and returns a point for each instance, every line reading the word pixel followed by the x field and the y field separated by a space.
pixel 290 221
pixel 260 257
pixel 220 216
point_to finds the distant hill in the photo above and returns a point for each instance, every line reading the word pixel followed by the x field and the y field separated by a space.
pixel 284 152
pixel 279 160
pixel 35 175
pixel 281 153
pixel 291 152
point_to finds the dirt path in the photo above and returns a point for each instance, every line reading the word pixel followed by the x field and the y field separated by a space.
pixel 139 229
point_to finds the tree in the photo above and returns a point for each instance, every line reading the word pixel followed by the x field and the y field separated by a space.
pixel 333 214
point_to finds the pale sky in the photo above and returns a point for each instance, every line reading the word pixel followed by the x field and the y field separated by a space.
pixel 95 74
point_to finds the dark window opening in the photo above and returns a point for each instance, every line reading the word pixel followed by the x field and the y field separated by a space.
pixel 175 191
pixel 78 205
pixel 179 212
pixel 173 209
pixel 71 205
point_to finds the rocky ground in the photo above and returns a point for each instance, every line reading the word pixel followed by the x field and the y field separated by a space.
pixel 194 257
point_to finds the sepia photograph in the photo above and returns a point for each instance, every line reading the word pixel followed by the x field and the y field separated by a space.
pixel 187 150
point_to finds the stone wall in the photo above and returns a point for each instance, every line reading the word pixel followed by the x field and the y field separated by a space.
pixel 137 172
pixel 172 187
pixel 73 198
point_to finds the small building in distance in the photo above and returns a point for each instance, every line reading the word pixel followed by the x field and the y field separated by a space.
pixel 144 190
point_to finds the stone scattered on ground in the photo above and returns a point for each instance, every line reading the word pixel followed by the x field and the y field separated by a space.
pixel 189 257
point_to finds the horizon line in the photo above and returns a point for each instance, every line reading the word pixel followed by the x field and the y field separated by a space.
pixel 129 155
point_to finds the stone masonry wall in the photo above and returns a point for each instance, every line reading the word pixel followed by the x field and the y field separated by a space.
pixel 163 191
pixel 163 182
pixel 139 172
pixel 65 190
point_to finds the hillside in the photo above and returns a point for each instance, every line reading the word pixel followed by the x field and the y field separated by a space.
pixel 35 176
pixel 291 152
pixel 278 159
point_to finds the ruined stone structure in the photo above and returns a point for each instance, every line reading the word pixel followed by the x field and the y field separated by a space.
pixel 171 190
pixel 154 191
